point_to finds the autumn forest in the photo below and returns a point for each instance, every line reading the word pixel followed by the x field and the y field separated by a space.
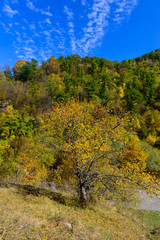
pixel 88 124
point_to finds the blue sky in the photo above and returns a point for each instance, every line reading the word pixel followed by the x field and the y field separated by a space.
pixel 113 29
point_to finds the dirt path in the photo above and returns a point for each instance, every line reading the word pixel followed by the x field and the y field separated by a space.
pixel 147 204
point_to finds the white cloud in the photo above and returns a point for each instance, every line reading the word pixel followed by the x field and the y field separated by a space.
pixel 71 31
pixel 25 20
pixel 46 13
pixel 84 2
pixel 28 52
pixel 93 32
pixel 68 12
pixel 101 15
pixel 47 33
pixel 7 9
pixel 48 21
pixel 30 41
pixel 31 6
pixel 73 34
pixel 124 7
pixel 32 26
pixel 4 26
pixel 14 1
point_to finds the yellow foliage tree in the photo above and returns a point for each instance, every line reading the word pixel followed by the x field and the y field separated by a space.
pixel 89 144
pixel 30 166
pixel 151 140
pixel 121 92
pixel 2 76
pixel 134 154
pixel 18 67
pixel 53 66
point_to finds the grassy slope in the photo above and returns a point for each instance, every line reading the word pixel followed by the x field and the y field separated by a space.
pixel 24 216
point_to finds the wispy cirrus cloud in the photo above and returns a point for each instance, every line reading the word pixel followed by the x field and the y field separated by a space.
pixel 46 13
pixel 45 30
pixel 31 6
pixel 101 14
pixel 84 2
pixel 14 1
pixel 126 6
pixel 7 29
pixel 71 27
pixel 95 29
pixel 68 12
pixel 9 11
pixel 47 20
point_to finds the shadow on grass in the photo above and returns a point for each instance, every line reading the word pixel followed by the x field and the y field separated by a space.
pixel 155 233
pixel 36 191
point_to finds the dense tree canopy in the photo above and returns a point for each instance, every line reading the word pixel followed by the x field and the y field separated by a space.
pixel 88 122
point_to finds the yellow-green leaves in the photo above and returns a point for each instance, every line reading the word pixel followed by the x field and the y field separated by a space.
pixel 93 154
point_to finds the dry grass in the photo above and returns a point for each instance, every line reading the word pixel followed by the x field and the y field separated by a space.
pixel 40 218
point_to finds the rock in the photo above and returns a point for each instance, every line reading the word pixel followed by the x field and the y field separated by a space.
pixel 68 225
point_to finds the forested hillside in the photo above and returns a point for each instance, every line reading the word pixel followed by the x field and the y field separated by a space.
pixel 88 122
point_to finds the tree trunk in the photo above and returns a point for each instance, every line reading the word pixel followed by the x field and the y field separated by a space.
pixel 83 197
